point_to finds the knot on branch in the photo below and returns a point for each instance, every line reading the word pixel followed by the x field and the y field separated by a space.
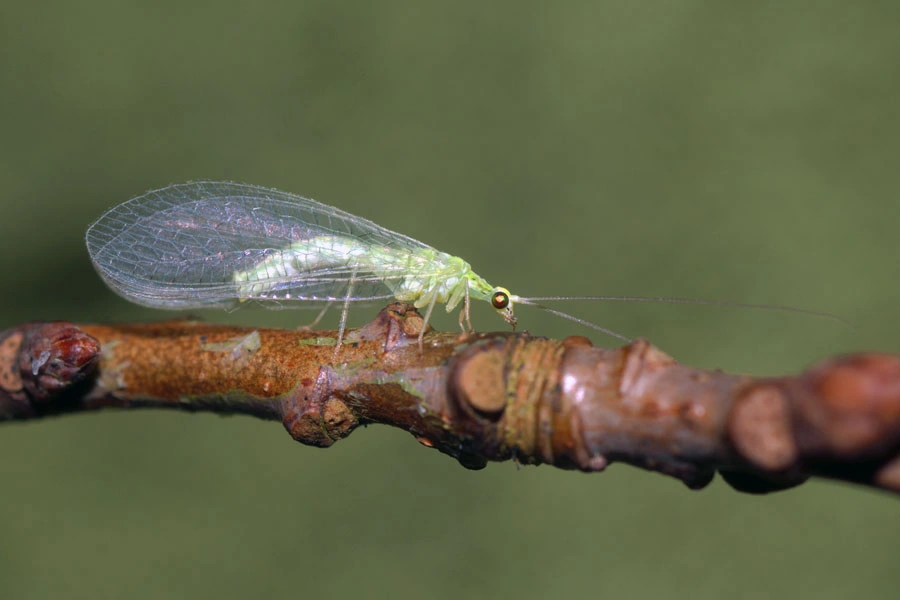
pixel 40 364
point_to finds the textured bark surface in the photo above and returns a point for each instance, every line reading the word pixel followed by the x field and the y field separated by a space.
pixel 479 398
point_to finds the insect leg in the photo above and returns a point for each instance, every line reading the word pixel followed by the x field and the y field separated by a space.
pixel 344 311
pixel 431 304
pixel 317 319
pixel 464 313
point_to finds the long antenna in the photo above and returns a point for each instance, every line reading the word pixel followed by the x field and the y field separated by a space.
pixel 559 313
pixel 665 300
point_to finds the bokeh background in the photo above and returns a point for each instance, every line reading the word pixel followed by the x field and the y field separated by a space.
pixel 736 151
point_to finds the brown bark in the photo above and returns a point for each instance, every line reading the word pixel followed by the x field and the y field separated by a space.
pixel 482 397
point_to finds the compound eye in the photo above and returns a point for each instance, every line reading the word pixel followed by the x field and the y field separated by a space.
pixel 499 300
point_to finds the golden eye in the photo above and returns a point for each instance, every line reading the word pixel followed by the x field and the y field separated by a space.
pixel 499 300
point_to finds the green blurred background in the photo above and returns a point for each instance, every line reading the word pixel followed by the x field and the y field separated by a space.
pixel 739 151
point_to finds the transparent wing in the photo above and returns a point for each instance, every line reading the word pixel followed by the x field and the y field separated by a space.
pixel 180 246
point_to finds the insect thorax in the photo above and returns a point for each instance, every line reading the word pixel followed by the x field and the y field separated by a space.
pixel 433 276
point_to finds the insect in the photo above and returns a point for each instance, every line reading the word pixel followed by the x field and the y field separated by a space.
pixel 217 244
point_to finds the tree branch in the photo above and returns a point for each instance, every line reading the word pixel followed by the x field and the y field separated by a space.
pixel 478 398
